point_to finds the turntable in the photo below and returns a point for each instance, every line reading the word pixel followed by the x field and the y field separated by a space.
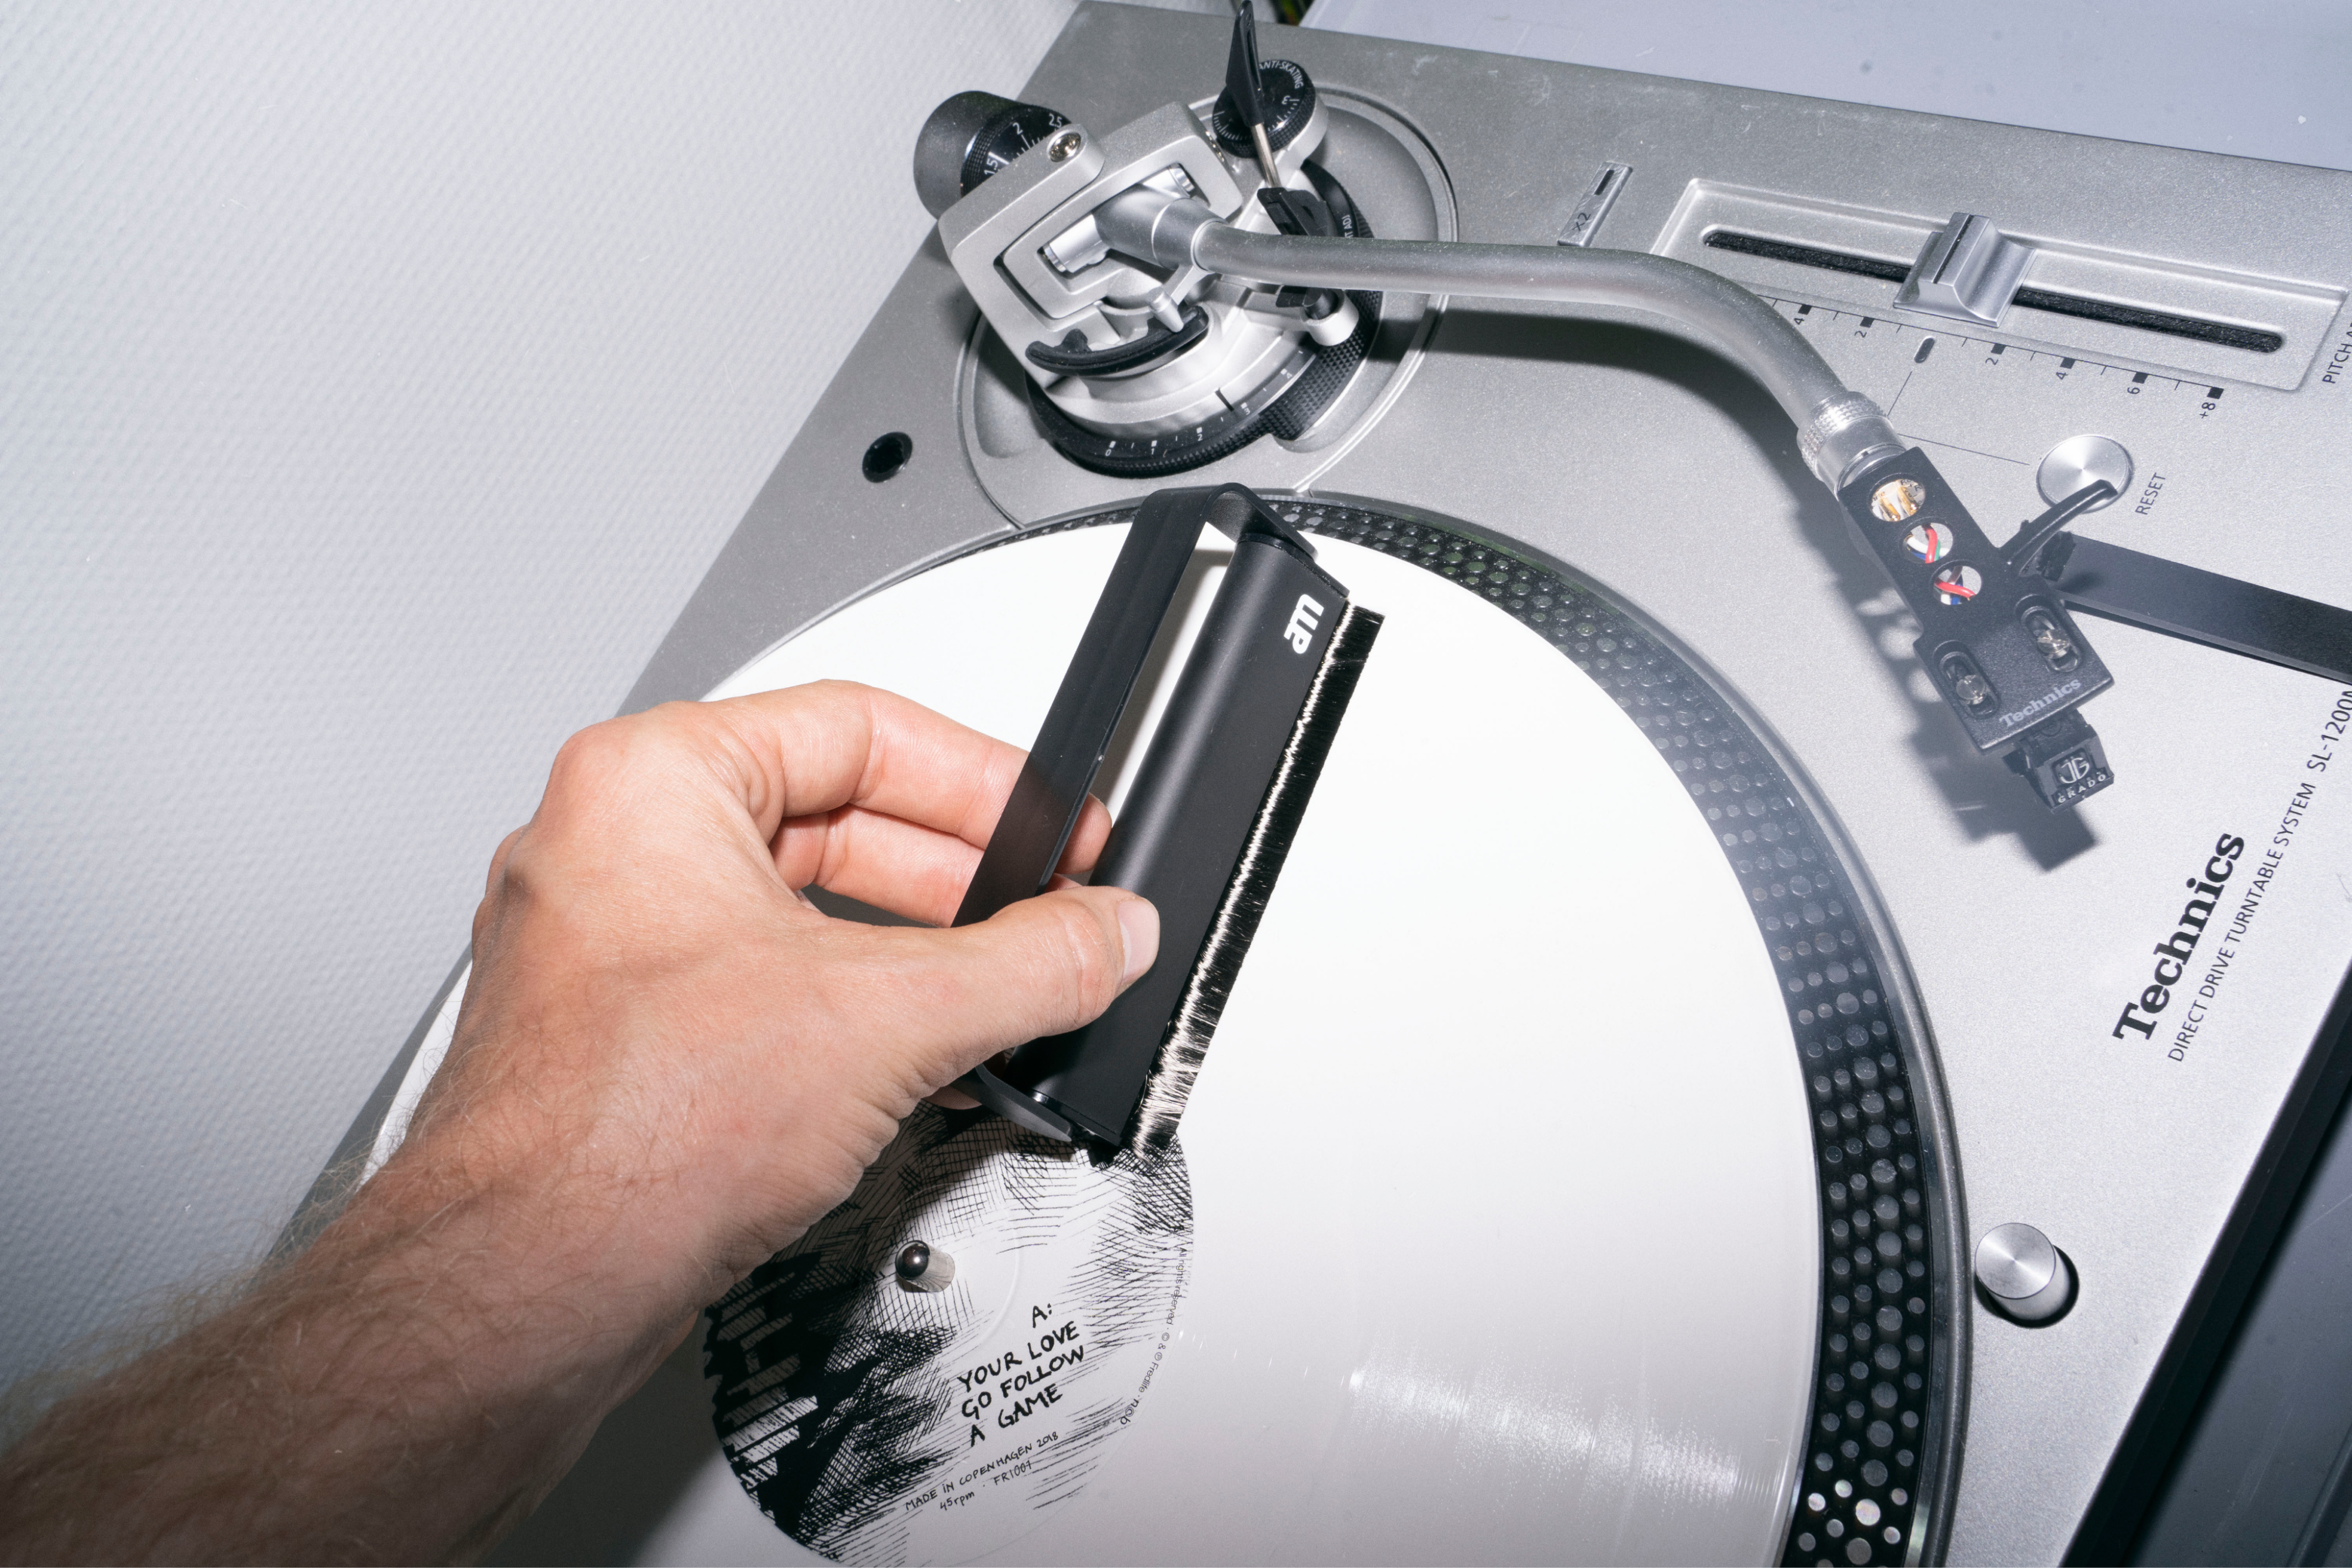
pixel 1737 1066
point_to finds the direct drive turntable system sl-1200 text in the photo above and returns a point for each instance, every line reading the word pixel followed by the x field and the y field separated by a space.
pixel 1815 956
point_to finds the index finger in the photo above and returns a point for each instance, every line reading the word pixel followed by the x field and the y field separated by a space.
pixel 909 796
pixel 806 750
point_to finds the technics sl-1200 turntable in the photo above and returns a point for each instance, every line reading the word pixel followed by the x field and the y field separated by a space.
pixel 1882 720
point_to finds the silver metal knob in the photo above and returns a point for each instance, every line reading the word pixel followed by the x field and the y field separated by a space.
pixel 1969 271
pixel 923 1267
pixel 2026 1278
pixel 2078 461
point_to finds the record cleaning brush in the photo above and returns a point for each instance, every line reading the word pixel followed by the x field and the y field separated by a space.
pixel 1217 799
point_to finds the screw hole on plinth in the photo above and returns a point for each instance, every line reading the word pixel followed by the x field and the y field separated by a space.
pixel 887 455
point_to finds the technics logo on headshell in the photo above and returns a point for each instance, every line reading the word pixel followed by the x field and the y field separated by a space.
pixel 2173 953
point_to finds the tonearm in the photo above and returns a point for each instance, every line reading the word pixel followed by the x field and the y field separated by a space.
pixel 1190 281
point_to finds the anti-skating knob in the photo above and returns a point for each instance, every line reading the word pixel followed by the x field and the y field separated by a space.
pixel 1288 94
pixel 1275 95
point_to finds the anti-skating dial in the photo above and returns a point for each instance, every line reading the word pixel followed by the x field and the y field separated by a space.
pixel 1286 94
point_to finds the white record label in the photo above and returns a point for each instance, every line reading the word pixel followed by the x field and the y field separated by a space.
pixel 880 1423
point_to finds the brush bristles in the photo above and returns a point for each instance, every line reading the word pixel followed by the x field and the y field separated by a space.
pixel 1186 1044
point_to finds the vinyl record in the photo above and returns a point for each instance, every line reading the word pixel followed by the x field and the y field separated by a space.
pixel 1514 1216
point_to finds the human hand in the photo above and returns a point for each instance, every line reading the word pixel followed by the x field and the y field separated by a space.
pixel 668 1064
pixel 661 1032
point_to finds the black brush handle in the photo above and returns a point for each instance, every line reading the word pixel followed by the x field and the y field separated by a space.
pixel 1040 814
pixel 1043 809
pixel 1038 817
pixel 1196 798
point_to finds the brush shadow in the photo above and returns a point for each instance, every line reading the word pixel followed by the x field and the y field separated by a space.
pixel 1982 793
pixel 843 908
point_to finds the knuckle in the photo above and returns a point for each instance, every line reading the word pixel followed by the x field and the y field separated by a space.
pixel 591 754
pixel 828 704
pixel 499 859
pixel 601 757
pixel 834 690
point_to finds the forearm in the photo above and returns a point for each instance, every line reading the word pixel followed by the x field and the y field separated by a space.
pixel 670 1064
pixel 407 1391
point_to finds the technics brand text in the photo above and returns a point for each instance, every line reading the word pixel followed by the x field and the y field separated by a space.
pixel 2257 877
pixel 2050 698
pixel 2173 953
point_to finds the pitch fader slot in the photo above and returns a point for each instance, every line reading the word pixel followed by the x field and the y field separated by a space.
pixel 2055 302
pixel 2194 318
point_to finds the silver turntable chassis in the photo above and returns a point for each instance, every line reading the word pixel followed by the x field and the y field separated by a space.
pixel 1644 461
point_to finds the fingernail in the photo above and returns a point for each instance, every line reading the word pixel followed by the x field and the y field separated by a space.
pixel 1139 935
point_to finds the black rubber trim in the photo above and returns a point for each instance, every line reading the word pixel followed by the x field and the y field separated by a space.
pixel 2254 340
pixel 2136 1473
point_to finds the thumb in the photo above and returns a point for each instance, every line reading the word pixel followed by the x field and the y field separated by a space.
pixel 1042 967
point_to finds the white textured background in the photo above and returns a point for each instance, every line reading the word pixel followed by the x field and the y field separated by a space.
pixel 376 381
pixel 2257 78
